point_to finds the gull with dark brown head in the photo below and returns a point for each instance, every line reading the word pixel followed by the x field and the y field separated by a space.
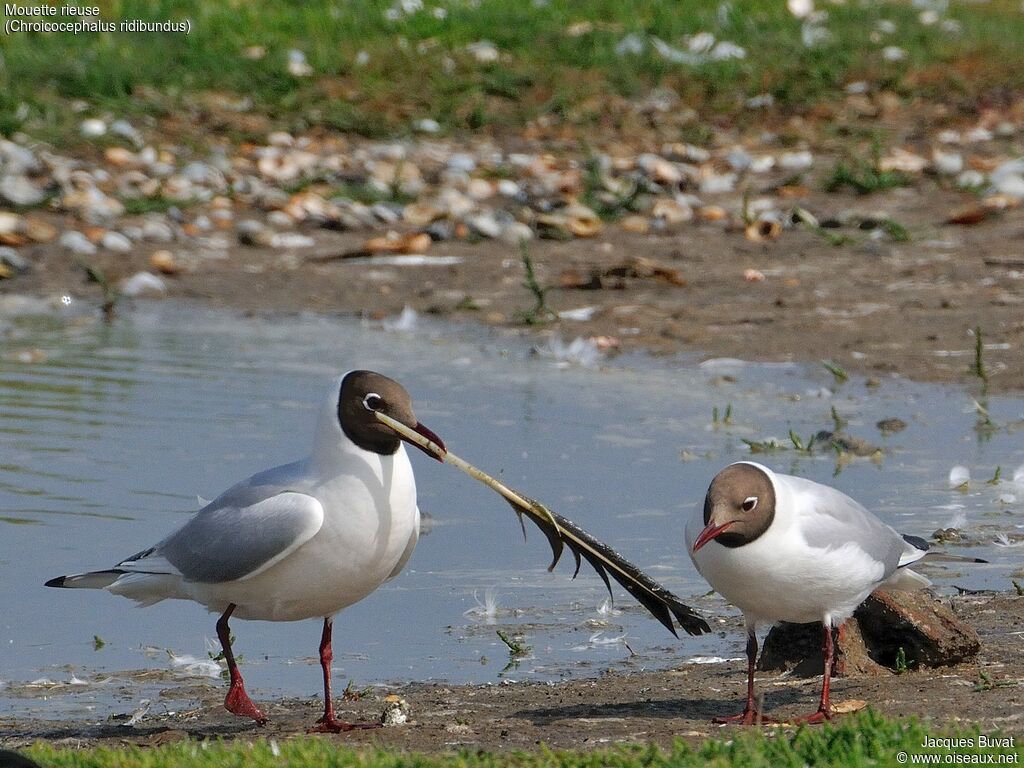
pixel 299 541
pixel 782 548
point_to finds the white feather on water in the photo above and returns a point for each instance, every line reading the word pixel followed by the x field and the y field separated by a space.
pixel 959 476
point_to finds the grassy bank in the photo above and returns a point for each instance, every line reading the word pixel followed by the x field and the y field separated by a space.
pixel 379 66
pixel 863 740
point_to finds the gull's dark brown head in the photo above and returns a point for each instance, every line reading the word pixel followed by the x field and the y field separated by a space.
pixel 739 506
pixel 364 393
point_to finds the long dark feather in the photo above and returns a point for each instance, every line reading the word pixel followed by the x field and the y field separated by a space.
pixel 562 533
pixel 662 604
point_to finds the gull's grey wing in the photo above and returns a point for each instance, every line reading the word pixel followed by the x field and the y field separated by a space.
pixel 831 519
pixel 240 534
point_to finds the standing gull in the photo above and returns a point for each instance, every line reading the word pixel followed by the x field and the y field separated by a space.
pixel 782 548
pixel 299 541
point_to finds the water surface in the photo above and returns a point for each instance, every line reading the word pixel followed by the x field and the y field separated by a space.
pixel 109 434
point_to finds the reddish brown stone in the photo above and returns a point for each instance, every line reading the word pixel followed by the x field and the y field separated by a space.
pixel 929 633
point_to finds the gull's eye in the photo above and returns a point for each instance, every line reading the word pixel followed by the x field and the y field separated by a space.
pixel 749 504
pixel 373 402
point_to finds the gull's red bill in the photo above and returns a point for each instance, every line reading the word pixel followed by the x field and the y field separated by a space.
pixel 423 431
pixel 710 532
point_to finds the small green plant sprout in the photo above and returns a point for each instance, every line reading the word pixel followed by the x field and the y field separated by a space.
pixel 978 366
pixel 995 477
pixel 763 446
pixel 838 422
pixel 97 642
pixel 516 648
pixel 901 661
pixel 110 293
pixel 895 230
pixel 219 656
pixel 351 693
pixel 1017 586
pixel 539 313
pixel 810 222
pixel 748 216
pixel 837 371
pixel 724 418
pixel 863 177
pixel 799 445
pixel 986 683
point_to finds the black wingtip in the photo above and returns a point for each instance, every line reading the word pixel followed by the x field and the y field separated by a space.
pixel 917 542
pixel 58 582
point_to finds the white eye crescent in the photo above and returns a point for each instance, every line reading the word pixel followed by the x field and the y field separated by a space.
pixel 750 504
pixel 373 402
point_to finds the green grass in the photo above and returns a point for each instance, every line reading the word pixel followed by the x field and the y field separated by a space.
pixel 866 739
pixel 418 65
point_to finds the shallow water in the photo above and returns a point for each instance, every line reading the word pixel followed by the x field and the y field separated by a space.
pixel 109 434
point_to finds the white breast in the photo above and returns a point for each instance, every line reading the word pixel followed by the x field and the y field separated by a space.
pixel 370 516
pixel 779 577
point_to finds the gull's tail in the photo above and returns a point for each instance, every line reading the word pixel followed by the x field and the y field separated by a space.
pixel 91 580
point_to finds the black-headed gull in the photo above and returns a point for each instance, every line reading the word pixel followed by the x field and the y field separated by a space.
pixel 299 541
pixel 782 548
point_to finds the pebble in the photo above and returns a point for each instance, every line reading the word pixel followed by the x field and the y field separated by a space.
pixel 155 230
pixel 13 259
pixel 126 130
pixel 947 163
pixel 484 51
pixel 796 161
pixel 515 232
pixel 11 223
pixel 474 188
pixel 18 190
pixel 485 225
pixel 717 184
pixel 115 241
pixel 163 261
pixel 143 283
pixel 93 128
pixel 77 243
pixel 427 125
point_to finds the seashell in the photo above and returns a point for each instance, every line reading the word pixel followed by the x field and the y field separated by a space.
pixel 480 189
pixel 638 225
pixel 712 213
pixel 11 223
pixel 903 161
pixel 763 230
pixel 39 231
pixel 671 212
pixel 119 156
pixel 421 214
pixel 414 242
pixel 163 261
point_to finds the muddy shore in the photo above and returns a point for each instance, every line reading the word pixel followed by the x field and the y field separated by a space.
pixel 875 306
pixel 614 708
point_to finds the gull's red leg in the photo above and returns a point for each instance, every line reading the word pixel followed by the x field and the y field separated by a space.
pixel 237 702
pixel 824 707
pixel 749 715
pixel 328 723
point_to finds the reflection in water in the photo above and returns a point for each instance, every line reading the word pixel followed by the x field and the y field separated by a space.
pixel 110 435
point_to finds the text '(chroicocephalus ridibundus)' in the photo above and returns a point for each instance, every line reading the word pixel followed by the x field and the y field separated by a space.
pixel 299 541
pixel 782 548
